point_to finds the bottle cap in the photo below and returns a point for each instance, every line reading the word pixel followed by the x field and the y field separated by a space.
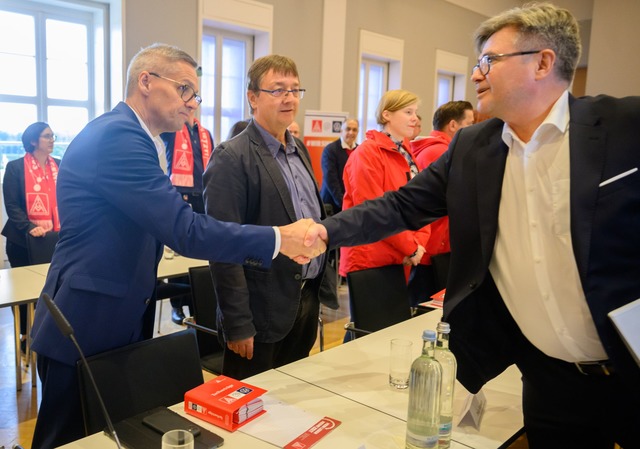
pixel 428 335
pixel 443 327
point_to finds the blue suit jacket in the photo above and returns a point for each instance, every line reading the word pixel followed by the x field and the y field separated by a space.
pixel 117 207
pixel 466 184
pixel 333 160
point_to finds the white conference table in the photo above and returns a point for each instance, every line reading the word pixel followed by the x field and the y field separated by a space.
pixel 178 266
pixel 20 286
pixel 293 405
pixel 23 285
pixel 358 370
pixel 167 268
pixel 350 383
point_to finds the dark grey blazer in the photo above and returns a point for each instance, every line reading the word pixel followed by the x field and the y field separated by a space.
pixel 466 184
pixel 243 184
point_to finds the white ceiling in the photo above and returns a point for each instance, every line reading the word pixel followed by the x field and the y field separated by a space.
pixel 581 9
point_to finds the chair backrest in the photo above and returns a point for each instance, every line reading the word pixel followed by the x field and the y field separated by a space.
pixel 378 297
pixel 40 249
pixel 140 376
pixel 205 304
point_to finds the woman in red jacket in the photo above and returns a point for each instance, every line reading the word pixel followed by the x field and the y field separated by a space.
pixel 382 163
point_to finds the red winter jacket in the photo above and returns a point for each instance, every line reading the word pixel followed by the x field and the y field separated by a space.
pixel 374 168
pixel 426 151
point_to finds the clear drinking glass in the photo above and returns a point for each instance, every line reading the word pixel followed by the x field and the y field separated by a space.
pixel 400 363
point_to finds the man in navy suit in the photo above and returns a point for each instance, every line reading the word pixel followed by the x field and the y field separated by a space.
pixel 117 209
pixel 334 158
pixel 543 203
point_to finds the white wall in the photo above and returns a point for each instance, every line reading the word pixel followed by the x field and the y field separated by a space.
pixel 614 66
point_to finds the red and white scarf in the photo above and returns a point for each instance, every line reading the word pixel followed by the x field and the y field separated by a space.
pixel 182 163
pixel 40 192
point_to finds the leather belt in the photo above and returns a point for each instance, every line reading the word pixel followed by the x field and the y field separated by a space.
pixel 601 368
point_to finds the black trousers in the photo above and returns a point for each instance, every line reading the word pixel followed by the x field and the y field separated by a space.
pixel 294 346
pixel 60 415
pixel 564 408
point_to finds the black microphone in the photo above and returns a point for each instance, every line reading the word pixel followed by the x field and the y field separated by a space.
pixel 67 331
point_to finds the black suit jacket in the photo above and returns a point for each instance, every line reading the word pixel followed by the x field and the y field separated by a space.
pixel 243 184
pixel 15 203
pixel 334 158
pixel 466 185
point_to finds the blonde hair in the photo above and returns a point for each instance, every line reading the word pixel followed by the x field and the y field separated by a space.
pixel 394 100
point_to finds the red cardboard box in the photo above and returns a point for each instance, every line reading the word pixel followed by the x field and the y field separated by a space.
pixel 219 399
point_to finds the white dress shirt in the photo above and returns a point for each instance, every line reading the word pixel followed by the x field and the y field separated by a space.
pixel 533 263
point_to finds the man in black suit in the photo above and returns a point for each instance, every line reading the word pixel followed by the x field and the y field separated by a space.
pixel 543 203
pixel 334 158
pixel 267 317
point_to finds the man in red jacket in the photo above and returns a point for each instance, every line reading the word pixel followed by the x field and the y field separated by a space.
pixel 448 119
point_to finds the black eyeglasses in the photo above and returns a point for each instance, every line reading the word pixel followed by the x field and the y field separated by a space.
pixel 484 63
pixel 298 93
pixel 187 93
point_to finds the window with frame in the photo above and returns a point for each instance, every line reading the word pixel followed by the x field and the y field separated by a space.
pixel 373 84
pixel 446 85
pixel 226 57
pixel 452 75
pixel 54 71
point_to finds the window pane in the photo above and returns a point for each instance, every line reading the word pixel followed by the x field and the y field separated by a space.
pixel 67 67
pixel 15 119
pixel 232 92
pixel 17 51
pixel 361 111
pixel 375 89
pixel 66 123
pixel 21 79
pixel 207 82
pixel 445 89
pixel 17 34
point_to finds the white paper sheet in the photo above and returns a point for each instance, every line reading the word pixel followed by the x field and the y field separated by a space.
pixel 626 320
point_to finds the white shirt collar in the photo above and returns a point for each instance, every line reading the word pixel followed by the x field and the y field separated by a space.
pixel 344 144
pixel 557 120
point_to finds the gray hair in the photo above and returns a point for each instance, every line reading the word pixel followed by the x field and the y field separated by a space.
pixel 539 25
pixel 154 58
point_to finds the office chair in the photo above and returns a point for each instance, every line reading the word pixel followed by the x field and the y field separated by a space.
pixel 167 289
pixel 205 304
pixel 378 298
pixel 139 377
pixel 40 249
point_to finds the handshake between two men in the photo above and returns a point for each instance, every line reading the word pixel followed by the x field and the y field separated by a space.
pixel 303 240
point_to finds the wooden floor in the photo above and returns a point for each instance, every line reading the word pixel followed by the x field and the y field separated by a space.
pixel 18 409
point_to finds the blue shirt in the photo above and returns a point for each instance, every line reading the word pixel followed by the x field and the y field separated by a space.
pixel 302 186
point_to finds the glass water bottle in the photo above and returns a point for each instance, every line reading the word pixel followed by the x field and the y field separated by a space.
pixel 449 366
pixel 425 382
